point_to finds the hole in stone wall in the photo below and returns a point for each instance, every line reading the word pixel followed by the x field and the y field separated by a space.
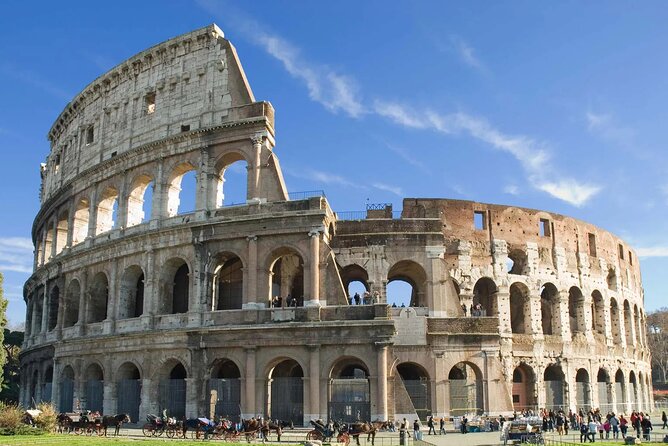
pixel 150 103
pixel 185 128
pixel 544 227
pixel 479 221
pixel 592 245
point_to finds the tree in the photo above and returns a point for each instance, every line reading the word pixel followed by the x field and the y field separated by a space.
pixel 12 347
pixel 3 324
pixel 657 338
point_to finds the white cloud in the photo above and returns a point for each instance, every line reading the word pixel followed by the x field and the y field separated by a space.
pixel 466 53
pixel 512 189
pixel 323 177
pixel 569 190
pixel 396 190
pixel 16 254
pixel 653 251
pixel 399 114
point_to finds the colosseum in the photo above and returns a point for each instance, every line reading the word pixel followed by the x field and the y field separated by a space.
pixel 136 306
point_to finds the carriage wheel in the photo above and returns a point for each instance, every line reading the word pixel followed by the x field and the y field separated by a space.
pixel 77 430
pixel 314 435
pixel 90 430
pixel 343 438
pixel 147 430
pixel 170 432
pixel 158 432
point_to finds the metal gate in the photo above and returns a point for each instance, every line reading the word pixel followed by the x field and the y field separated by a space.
pixel 349 400
pixel 47 389
pixel 465 397
pixel 419 391
pixel 554 394
pixel 173 397
pixel 287 399
pixel 129 397
pixel 66 395
pixel 621 398
pixel 228 404
pixel 603 400
pixel 582 397
pixel 94 395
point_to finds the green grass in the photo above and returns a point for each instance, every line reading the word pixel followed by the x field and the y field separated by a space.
pixel 67 440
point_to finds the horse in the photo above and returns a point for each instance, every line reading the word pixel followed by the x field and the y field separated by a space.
pixel 116 420
pixel 64 423
pixel 355 429
pixel 272 425
pixel 195 424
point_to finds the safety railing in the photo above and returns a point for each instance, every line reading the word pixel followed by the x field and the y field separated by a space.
pixel 303 195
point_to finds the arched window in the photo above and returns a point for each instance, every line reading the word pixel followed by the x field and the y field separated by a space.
pixel 598 312
pixel 175 287
pixel 416 381
pixel 172 389
pixel 616 325
pixel 517 262
pixel 523 388
pixel 549 309
pixel 349 390
pixel 466 396
pixel 61 232
pixel 232 187
pixel 54 303
pixel 287 277
pixel 99 298
pixel 520 310
pixel 576 311
pixel 228 283
pixel 71 308
pixel 620 391
pixel 226 382
pixel 182 190
pixel 80 223
pixel 285 391
pixel 94 389
pixel 582 390
pixel 356 281
pixel 128 390
pixel 411 287
pixel 604 391
pixel 484 295
pixel 131 296
pixel 107 207
pixel 628 323
pixel 554 387
pixel 139 200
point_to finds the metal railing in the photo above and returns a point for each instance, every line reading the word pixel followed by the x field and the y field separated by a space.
pixel 303 195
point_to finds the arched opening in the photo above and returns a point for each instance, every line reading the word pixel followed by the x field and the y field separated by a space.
pixel 641 391
pixel 517 262
pixel 415 380
pixel 47 387
pixel 524 382
pixel 181 190
pixel 287 277
pixel 38 308
pixel 484 297
pixel 34 384
pixel 228 283
pixel 520 308
pixel 576 310
pixel 638 329
pixel 54 303
pixel 466 396
pixel 48 242
pixel 355 281
pixel 285 387
pixel 232 187
pixel 140 200
pixel 80 222
pixel 131 296
pixel 349 391
pixel 129 390
pixel 616 326
pixel 620 391
pixel 106 210
pixel 554 387
pixel 549 309
pixel 582 390
pixel 628 324
pixel 604 391
pixel 598 313
pixel 634 389
pixel 71 304
pixel 62 228
pixel 66 390
pixel 175 281
pixel 94 389
pixel 412 275
pixel 172 390
pixel 99 298
pixel 612 279
pixel 226 383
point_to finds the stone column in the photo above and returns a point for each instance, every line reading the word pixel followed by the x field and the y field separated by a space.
pixel 535 322
pixel 607 317
pixel 110 398
pixel 192 397
pixel 55 386
pixel 201 201
pixel 159 204
pixel 314 269
pixel 92 214
pixel 146 403
pixel 255 189
pixel 248 397
pixel 70 224
pixel 54 238
pixel 81 320
pixel 503 310
pixel 382 381
pixel 314 383
pixel 251 298
pixel 112 300
pixel 45 308
pixel 565 323
pixel 436 293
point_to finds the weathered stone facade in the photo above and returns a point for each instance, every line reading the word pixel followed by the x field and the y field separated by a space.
pixel 134 312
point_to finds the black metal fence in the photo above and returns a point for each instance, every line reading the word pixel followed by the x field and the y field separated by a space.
pixel 228 397
pixel 94 395
pixel 129 397
pixel 287 399
pixel 349 400
pixel 173 397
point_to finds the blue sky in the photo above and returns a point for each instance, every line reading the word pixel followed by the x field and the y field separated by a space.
pixel 551 105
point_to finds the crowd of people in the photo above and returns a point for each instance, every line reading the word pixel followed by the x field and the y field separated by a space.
pixel 365 299
pixel 475 310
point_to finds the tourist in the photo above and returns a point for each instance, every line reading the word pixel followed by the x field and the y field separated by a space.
pixel 664 419
pixel 623 425
pixel 464 423
pixel 584 432
pixel 441 431
pixel 646 426
pixel 417 435
pixel 464 309
pixel 430 424
pixel 614 425
pixel 357 298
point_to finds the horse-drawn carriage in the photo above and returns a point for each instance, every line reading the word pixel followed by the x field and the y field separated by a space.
pixel 80 423
pixel 325 433
pixel 156 426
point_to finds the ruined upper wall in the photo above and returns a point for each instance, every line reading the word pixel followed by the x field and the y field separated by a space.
pixel 189 82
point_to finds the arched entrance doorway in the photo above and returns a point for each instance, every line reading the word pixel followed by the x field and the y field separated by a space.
pixel 604 390
pixel 94 388
pixel 172 391
pixel 554 387
pixel 66 390
pixel 129 390
pixel 582 390
pixel 287 277
pixel 349 391
pixel 285 388
pixel 226 383
pixel 47 388
pixel 523 388
pixel 466 395
pixel 416 382
pixel 620 391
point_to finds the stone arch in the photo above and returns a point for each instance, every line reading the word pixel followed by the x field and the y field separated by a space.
pixel 412 273
pixel 98 292
pixel 415 380
pixel 286 276
pixel 47 385
pixel 554 387
pixel 351 274
pixel 62 229
pixel 174 187
pixel 349 390
pixel 524 384
pixel 485 295
pixel 175 281
pixel 128 389
pixel 136 212
pixel 641 391
pixel 66 389
pixel 628 323
pixel 466 389
pixel 227 286
pixel 611 279
pixel 94 388
pixel 71 303
pixel 620 391
pixel 80 221
pixel 576 310
pixel 549 309
pixel 634 389
pixel 638 325
pixel 604 387
pixel 520 308
pixel 236 163
pixel 106 210
pixel 131 296
pixel 582 389
pixel 285 391
pixel 53 304
pixel 598 312
pixel 517 262
pixel 48 241
pixel 225 385
pixel 38 309
pixel 616 325
pixel 172 388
